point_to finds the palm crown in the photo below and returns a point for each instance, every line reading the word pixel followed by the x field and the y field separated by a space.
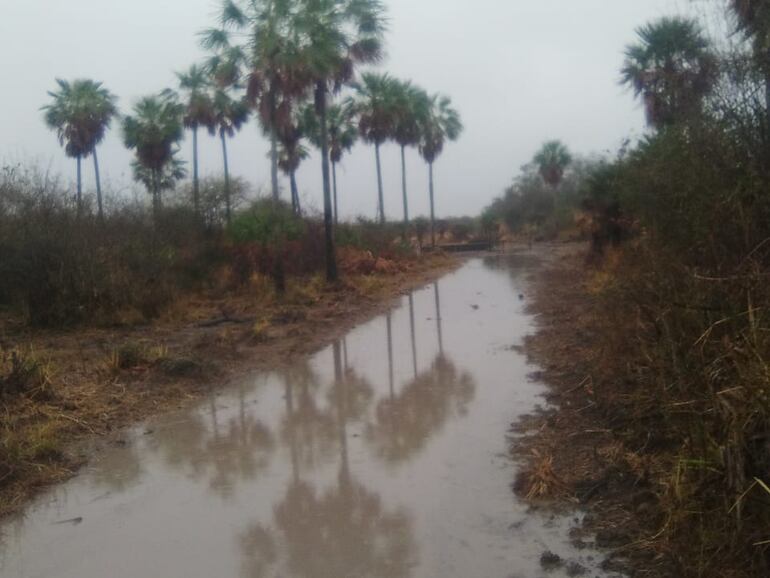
pixel 375 105
pixel 195 84
pixel 442 123
pixel 552 160
pixel 671 67
pixel 80 113
pixel 154 129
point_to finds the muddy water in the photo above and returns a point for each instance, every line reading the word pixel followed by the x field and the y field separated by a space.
pixel 383 455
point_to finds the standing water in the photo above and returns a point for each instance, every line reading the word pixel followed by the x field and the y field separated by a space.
pixel 383 455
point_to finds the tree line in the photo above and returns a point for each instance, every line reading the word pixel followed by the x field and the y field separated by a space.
pixel 293 65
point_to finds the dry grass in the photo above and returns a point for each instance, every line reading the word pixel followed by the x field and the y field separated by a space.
pixel 660 503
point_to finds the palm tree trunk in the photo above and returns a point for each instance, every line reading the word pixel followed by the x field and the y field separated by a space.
pixel 403 185
pixel 80 185
pixel 432 209
pixel 155 194
pixel 331 259
pixel 196 189
pixel 273 146
pixel 334 183
pixel 98 186
pixel 294 191
pixel 228 204
pixel 381 197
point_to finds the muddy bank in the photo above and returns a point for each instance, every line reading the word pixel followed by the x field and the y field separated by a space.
pixel 577 452
pixel 93 382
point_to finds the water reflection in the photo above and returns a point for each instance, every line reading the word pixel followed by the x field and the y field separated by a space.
pixel 404 423
pixel 306 428
pixel 438 318
pixel 340 531
pixel 222 454
pixel 412 333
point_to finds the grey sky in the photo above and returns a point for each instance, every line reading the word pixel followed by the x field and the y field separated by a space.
pixel 519 71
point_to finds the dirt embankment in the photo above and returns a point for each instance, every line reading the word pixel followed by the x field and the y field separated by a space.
pixel 87 383
pixel 578 453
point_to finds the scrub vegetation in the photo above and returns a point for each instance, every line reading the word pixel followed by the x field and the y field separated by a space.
pixel 657 338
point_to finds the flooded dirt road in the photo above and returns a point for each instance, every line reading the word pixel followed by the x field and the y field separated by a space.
pixel 383 455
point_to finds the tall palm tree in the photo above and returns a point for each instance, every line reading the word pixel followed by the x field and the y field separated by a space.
pixel 342 132
pixel 337 36
pixel 277 72
pixel 229 116
pixel 441 124
pixel 411 109
pixel 671 67
pixel 552 160
pixel 81 113
pixel 375 104
pixel 195 85
pixel 153 131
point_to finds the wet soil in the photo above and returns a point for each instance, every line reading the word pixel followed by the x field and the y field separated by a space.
pixel 573 450
pixel 383 454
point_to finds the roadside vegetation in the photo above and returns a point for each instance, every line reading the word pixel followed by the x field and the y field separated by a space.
pixel 665 372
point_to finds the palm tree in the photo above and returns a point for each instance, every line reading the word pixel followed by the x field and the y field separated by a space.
pixel 441 123
pixel 167 178
pixel 342 132
pixel 154 132
pixel 411 108
pixel 81 113
pixel 276 69
pixel 290 155
pixel 229 115
pixel 753 18
pixel 671 67
pixel 292 152
pixel 337 36
pixel 375 105
pixel 195 85
pixel 552 160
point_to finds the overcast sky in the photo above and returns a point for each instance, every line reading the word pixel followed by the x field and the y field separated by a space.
pixel 519 71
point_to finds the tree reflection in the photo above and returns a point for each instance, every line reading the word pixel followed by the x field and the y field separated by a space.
pixel 221 453
pixel 438 318
pixel 403 424
pixel 340 531
pixel 306 428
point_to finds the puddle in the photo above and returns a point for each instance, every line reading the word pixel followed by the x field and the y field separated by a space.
pixel 384 455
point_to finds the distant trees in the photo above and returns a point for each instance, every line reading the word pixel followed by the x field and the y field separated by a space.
pixel 671 67
pixel 153 131
pixel 287 61
pixel 441 124
pixel 81 113
pixel 552 160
